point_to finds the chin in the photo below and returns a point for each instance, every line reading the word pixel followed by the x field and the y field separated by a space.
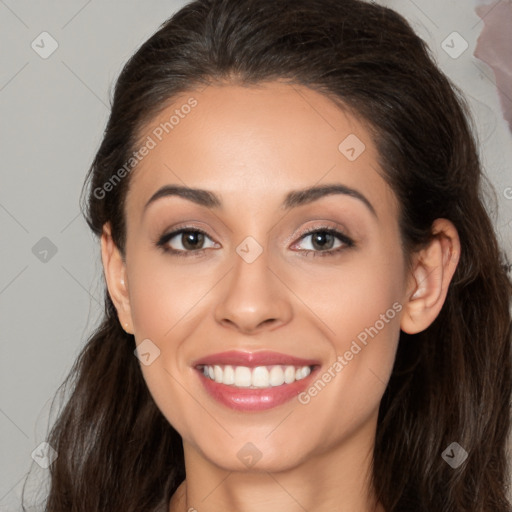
pixel 258 456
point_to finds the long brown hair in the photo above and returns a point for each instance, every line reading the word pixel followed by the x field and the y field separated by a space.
pixel 451 382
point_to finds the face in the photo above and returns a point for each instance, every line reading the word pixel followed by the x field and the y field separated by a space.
pixel 283 281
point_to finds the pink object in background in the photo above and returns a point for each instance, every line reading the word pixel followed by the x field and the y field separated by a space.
pixel 494 47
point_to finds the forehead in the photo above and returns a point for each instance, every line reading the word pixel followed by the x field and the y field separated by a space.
pixel 258 141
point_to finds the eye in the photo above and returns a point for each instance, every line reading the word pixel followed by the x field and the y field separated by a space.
pixel 185 240
pixel 325 242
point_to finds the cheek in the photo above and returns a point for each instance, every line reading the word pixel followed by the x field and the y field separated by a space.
pixel 165 305
pixel 163 294
pixel 359 293
pixel 168 302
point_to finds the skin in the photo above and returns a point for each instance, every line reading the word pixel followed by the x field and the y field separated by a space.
pixel 251 146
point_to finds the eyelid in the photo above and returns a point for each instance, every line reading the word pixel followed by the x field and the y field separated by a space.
pixel 324 225
pixel 186 226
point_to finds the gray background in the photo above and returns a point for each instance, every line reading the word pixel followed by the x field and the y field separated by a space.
pixel 53 112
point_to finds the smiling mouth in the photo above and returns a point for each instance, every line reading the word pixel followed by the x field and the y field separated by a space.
pixel 259 377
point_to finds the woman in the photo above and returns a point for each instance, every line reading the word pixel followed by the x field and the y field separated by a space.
pixel 306 307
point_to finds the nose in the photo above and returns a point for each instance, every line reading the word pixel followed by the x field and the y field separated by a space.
pixel 255 297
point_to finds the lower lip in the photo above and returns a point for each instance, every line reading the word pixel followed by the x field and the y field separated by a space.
pixel 247 399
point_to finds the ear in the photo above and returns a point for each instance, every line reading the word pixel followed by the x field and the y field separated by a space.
pixel 114 269
pixel 431 275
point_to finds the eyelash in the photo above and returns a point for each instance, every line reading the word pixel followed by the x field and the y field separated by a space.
pixel 347 242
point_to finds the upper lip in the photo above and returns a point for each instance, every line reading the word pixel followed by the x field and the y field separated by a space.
pixel 253 359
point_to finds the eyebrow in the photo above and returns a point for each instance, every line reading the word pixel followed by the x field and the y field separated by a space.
pixel 293 199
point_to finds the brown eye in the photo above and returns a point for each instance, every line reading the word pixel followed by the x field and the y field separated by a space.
pixel 191 240
pixel 322 240
pixel 185 241
pixel 325 242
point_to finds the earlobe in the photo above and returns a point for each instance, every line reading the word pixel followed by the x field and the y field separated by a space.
pixel 431 276
pixel 114 269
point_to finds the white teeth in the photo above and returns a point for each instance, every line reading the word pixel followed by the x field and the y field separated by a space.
pixel 303 372
pixel 258 377
pixel 289 374
pixel 242 377
pixel 228 375
pixel 276 376
pixel 217 372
